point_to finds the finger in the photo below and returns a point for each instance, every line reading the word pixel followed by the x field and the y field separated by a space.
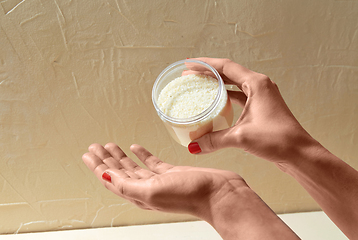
pixel 95 164
pixel 120 160
pixel 211 142
pixel 106 156
pixel 201 69
pixel 133 175
pixel 112 163
pixel 99 150
pixel 128 188
pixel 206 73
pixel 121 157
pixel 232 71
pixel 237 97
pixel 152 162
pixel 111 178
pixel 193 65
pixel 127 163
pixel 115 151
pixel 116 182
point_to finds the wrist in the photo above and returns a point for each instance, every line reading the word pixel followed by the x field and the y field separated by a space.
pixel 304 149
pixel 241 214
pixel 227 209
pixel 230 196
pixel 219 199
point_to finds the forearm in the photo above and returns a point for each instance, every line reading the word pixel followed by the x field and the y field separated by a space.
pixel 241 214
pixel 331 182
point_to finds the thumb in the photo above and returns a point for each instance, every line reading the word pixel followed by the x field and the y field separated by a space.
pixel 213 141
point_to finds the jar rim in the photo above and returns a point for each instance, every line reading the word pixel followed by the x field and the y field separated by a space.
pixel 201 116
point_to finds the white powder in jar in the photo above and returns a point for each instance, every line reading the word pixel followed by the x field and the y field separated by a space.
pixel 188 95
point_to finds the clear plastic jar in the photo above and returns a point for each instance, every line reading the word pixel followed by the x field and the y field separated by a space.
pixel 218 116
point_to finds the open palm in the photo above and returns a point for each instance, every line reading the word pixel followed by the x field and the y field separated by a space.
pixel 162 186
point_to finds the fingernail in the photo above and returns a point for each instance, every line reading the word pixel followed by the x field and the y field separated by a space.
pixel 194 148
pixel 106 177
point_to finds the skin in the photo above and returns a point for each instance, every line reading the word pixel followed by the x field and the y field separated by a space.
pixel 222 198
pixel 267 129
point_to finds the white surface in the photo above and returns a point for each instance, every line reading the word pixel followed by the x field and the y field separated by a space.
pixel 312 225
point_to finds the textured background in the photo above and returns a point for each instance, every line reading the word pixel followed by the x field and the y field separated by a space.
pixel 74 72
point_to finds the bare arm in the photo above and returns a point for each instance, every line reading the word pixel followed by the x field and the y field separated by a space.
pixel 268 129
pixel 331 182
pixel 243 215
pixel 222 198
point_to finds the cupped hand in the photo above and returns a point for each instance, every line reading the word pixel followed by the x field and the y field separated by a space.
pixel 266 127
pixel 160 186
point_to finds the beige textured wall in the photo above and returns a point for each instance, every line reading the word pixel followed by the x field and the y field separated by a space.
pixel 74 72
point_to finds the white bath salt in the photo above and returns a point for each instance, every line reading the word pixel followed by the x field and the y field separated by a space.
pixel 188 95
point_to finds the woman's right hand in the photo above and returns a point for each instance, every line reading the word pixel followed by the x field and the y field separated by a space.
pixel 266 127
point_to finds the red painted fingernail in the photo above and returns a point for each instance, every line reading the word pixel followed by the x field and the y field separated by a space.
pixel 194 148
pixel 106 177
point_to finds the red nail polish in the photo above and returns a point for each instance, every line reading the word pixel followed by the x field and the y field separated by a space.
pixel 106 177
pixel 194 148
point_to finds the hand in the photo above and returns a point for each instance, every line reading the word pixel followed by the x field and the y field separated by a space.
pixel 266 127
pixel 222 198
pixel 162 186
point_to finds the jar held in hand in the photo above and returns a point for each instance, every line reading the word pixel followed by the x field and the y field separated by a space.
pixel 190 98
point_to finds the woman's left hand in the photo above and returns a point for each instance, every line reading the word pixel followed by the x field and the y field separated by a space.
pixel 162 186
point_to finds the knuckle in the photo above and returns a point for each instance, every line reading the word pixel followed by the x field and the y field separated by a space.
pixel 227 60
pixel 260 82
pixel 263 79
pixel 241 136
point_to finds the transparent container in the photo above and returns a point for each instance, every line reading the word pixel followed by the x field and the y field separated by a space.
pixel 218 116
